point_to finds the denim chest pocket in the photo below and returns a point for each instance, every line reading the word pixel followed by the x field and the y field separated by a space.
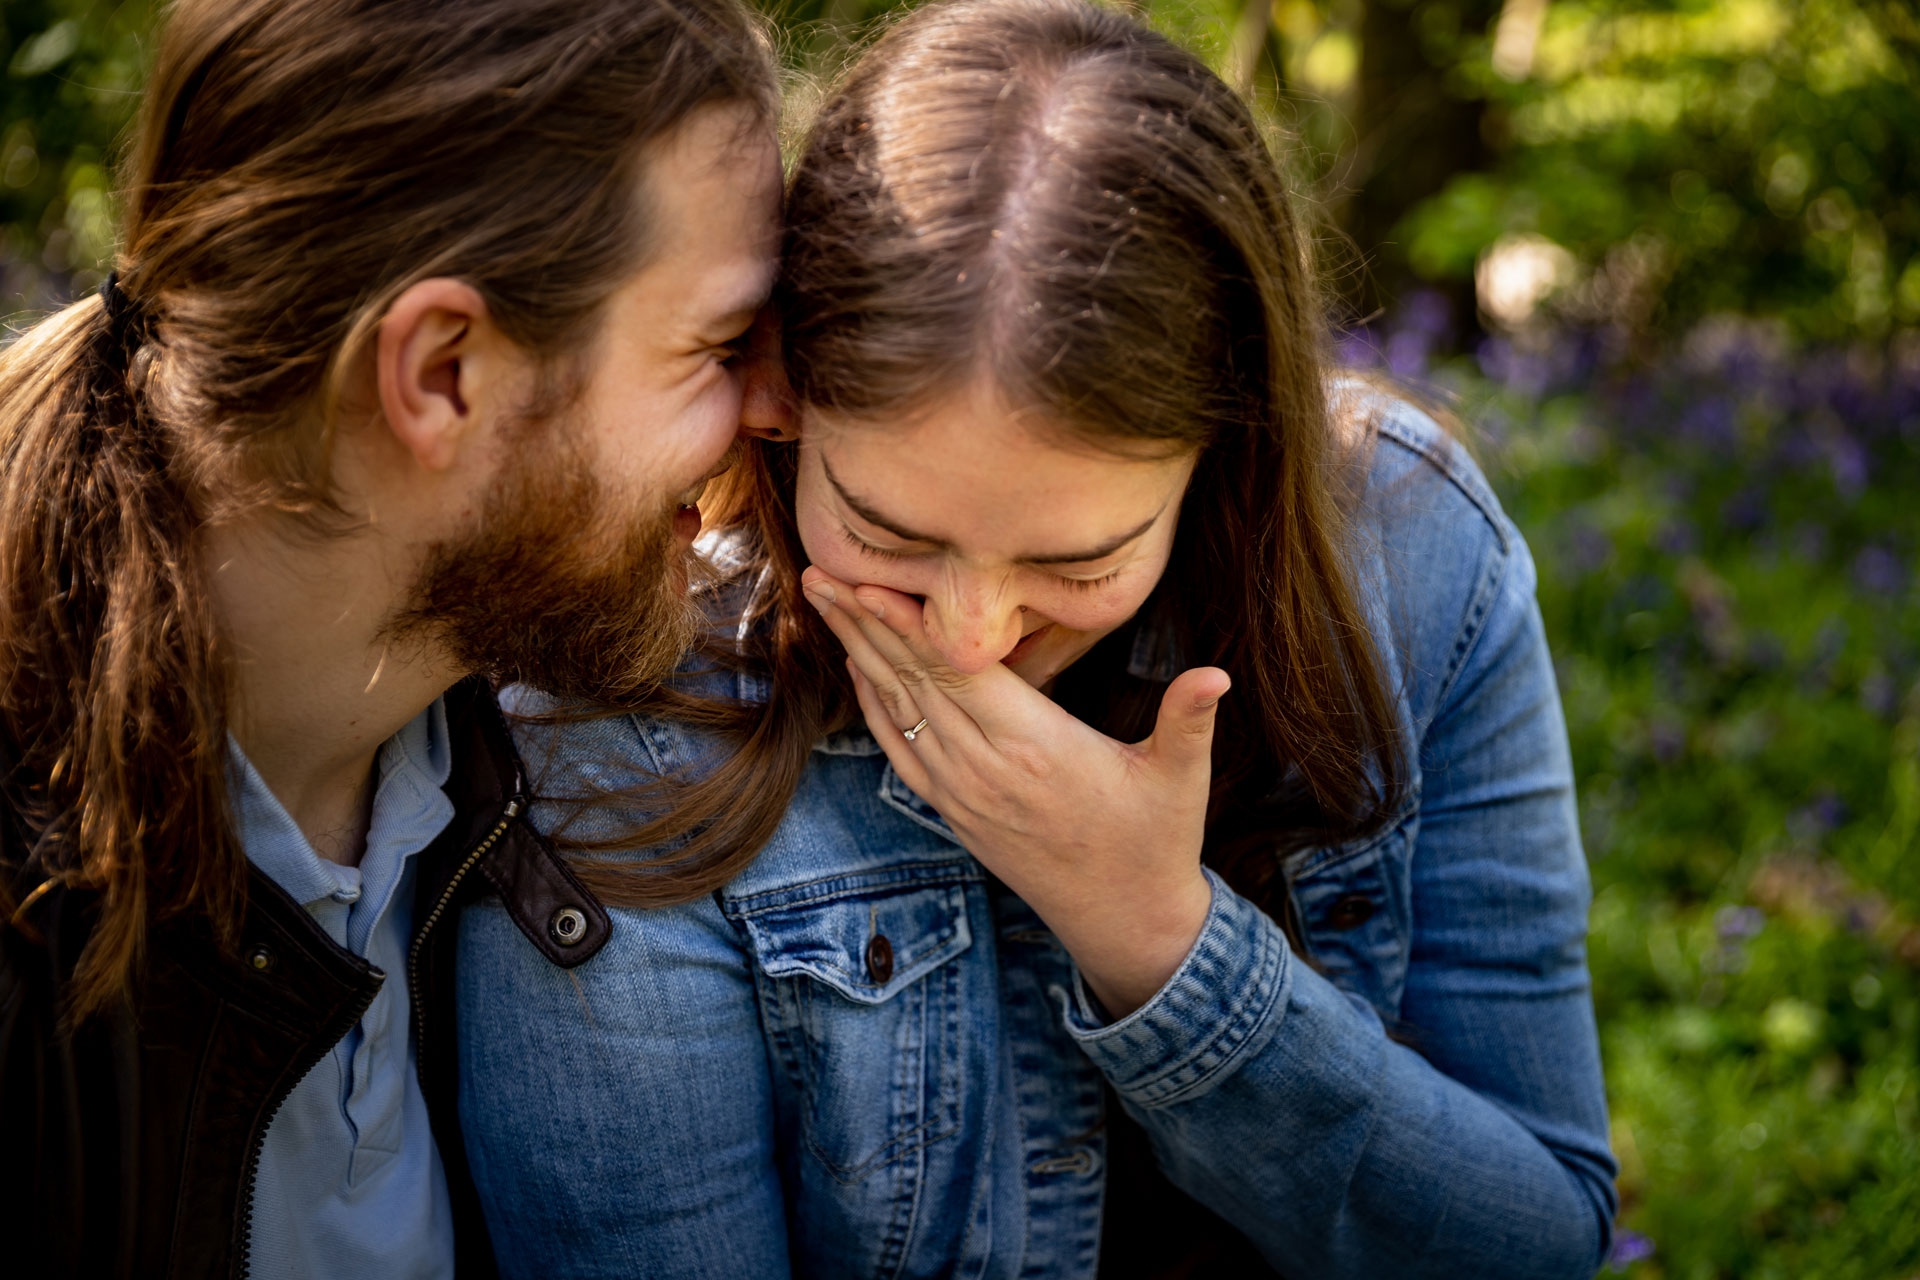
pixel 863 999
pixel 1355 910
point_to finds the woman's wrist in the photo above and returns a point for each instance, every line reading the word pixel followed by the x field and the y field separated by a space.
pixel 1126 950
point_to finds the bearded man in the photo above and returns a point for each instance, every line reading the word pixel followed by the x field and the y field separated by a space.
pixel 421 340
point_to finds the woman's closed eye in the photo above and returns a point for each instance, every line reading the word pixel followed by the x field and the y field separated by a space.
pixel 861 545
pixel 1087 584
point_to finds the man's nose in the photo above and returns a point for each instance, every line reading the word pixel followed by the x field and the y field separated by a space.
pixel 972 628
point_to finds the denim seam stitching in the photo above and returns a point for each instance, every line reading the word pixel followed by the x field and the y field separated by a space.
pixel 1479 605
pixel 1338 856
pixel 1440 451
pixel 917 875
pixel 1208 1067
pixel 1206 1063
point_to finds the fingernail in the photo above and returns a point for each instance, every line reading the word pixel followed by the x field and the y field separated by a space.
pixel 873 606
pixel 822 591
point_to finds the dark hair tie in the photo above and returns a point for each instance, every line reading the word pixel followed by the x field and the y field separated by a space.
pixel 123 317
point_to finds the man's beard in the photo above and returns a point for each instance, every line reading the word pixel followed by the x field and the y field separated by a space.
pixel 533 596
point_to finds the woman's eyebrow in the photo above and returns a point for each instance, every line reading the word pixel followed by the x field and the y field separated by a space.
pixel 866 511
pixel 1102 551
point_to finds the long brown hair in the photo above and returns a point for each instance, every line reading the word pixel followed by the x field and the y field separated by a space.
pixel 1051 196
pixel 296 165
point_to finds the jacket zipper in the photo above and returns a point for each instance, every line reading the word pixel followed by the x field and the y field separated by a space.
pixel 331 1036
pixel 433 917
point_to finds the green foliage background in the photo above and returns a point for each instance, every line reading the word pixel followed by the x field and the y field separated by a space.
pixel 1707 422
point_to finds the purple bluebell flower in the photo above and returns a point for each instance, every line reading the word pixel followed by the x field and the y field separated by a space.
pixel 1493 356
pixel 1356 349
pixel 1629 1247
pixel 1677 537
pixel 1815 819
pixel 1709 422
pixel 1746 509
pixel 1406 353
pixel 1878 694
pixel 1428 312
pixel 1879 571
pixel 1734 924
pixel 1848 463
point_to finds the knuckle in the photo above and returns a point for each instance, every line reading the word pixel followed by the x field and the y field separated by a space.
pixel 914 675
pixel 948 679
pixel 892 698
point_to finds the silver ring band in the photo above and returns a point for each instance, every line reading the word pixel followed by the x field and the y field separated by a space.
pixel 911 734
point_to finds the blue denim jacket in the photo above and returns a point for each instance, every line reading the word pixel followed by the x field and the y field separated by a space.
pixel 754 1084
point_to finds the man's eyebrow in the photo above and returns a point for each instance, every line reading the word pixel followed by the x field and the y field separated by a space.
pixel 866 512
pixel 736 319
pixel 741 306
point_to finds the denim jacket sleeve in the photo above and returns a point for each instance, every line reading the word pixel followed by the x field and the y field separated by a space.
pixel 1475 1142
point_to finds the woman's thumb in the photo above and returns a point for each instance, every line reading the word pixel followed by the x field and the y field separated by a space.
pixel 1184 728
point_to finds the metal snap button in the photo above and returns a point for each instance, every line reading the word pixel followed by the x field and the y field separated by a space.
pixel 262 960
pixel 1351 910
pixel 568 926
pixel 880 959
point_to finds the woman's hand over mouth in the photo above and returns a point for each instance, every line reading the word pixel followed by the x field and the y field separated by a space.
pixel 1101 838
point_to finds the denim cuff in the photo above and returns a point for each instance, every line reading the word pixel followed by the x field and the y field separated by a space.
pixel 1217 1010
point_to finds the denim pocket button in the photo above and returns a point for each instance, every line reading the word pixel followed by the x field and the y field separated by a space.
pixel 869 942
pixel 1351 910
pixel 880 959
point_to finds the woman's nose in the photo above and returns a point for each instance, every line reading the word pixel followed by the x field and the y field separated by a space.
pixel 971 630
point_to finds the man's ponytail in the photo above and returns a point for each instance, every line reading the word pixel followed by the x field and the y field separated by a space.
pixel 110 692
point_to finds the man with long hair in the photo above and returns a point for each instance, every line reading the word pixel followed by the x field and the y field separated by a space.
pixel 419 345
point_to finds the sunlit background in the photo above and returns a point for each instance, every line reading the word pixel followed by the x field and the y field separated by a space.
pixel 1663 259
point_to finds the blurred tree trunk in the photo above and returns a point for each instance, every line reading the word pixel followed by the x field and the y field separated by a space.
pixel 1413 135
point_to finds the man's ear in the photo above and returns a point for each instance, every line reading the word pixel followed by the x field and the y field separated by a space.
pixel 433 366
pixel 767 408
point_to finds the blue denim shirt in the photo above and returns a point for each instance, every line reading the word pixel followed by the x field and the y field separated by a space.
pixel 350 1182
pixel 747 1085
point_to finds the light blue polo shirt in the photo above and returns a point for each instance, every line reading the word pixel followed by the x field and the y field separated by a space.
pixel 350 1183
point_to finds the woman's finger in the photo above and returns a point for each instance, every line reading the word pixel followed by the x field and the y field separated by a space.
pixel 898 673
pixel 901 707
pixel 906 757
pixel 997 700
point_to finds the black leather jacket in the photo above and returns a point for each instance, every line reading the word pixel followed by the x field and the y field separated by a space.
pixel 127 1147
